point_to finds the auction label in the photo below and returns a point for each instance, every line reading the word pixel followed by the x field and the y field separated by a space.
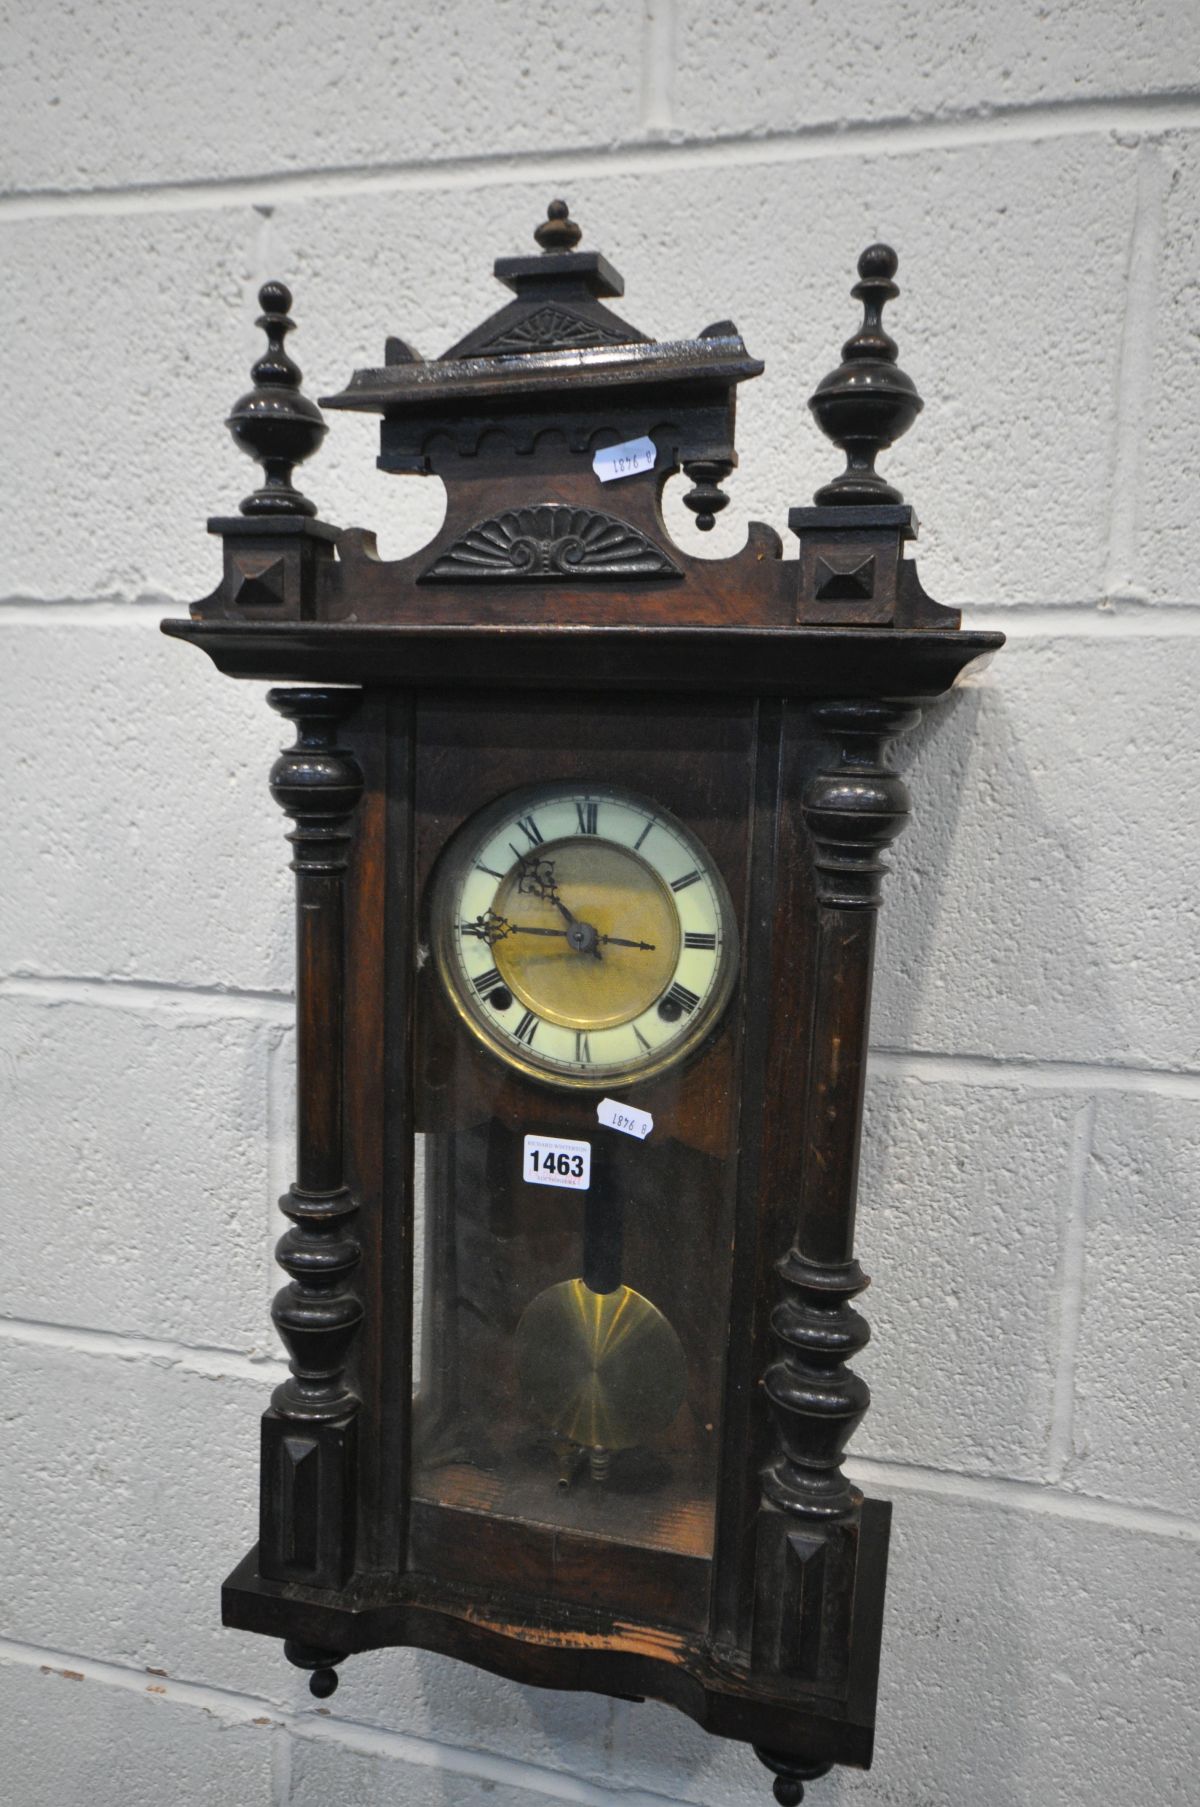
pixel 625 1118
pixel 551 1161
pixel 629 459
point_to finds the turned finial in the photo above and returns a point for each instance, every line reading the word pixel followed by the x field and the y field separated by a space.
pixel 868 401
pixel 791 1773
pixel 558 231
pixel 273 422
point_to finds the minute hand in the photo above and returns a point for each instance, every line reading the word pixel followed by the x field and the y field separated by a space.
pixel 523 928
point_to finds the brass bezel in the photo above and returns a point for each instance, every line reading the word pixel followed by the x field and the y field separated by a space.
pixel 450 863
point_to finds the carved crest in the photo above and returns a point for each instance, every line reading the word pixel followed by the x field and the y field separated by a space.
pixel 549 328
pixel 539 545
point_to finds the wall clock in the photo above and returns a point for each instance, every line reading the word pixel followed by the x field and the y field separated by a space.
pixel 587 837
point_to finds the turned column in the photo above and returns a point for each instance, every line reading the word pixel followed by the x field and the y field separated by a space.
pixel 853 811
pixel 808 1526
pixel 308 1435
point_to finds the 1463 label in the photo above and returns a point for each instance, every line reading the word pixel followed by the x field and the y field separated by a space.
pixel 553 1161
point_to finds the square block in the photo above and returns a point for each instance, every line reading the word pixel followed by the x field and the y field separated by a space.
pixel 963 1199
pixel 1166 377
pixel 73 1737
pixel 1137 1371
pixel 143 841
pixel 763 67
pixel 136 335
pixel 1042 899
pixel 146 1201
pixel 137 94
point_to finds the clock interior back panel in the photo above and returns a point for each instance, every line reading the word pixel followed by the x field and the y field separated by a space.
pixel 526 1472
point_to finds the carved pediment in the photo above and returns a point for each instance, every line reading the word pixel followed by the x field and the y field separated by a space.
pixel 548 543
pixel 549 328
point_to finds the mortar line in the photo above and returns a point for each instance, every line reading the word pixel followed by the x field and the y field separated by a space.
pixel 210 1362
pixel 1045 1498
pixel 659 24
pixel 1038 1499
pixel 1135 360
pixel 1061 1440
pixel 896 135
pixel 230 1706
pixel 144 611
pixel 264 246
pixel 1125 619
pixel 281 1766
pixel 175 997
pixel 1035 1072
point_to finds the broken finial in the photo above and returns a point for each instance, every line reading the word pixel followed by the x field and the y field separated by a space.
pixel 558 231
pixel 273 422
pixel 868 401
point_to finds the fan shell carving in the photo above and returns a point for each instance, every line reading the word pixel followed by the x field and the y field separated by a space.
pixel 547 544
pixel 548 328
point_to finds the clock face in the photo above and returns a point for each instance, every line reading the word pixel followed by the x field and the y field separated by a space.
pixel 583 933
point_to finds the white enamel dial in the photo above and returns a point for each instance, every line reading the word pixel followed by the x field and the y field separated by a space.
pixel 584 934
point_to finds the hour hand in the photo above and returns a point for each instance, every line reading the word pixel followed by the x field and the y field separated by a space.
pixel 535 878
pixel 490 927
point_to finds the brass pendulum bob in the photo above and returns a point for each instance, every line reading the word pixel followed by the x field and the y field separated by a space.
pixel 597 1362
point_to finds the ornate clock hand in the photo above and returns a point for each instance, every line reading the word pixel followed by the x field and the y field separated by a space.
pixel 490 927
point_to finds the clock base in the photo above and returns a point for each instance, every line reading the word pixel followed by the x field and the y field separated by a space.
pixel 803 1726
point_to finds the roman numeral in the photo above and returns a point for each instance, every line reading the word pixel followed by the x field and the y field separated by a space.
pixel 586 813
pixel 480 867
pixel 583 1047
pixel 681 884
pixel 488 981
pixel 679 994
pixel 527 1028
pixel 530 830
pixel 644 833
pixel 699 941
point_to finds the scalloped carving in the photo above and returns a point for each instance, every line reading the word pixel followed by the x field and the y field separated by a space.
pixel 546 545
pixel 549 328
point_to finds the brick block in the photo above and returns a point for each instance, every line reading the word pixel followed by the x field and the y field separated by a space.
pixel 323 1770
pixel 754 67
pixel 72 1738
pixel 131 1491
pixel 437 1698
pixel 168 96
pixel 145 1203
pixel 961 1202
pixel 1026 1657
pixel 142 840
pixel 977 228
pixel 1168 382
pixel 136 335
pixel 1042 902
pixel 1137 1372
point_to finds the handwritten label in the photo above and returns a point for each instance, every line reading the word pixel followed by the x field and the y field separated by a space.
pixel 629 459
pixel 552 1161
pixel 625 1118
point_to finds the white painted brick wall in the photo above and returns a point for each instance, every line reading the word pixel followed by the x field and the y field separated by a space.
pixel 1028 1197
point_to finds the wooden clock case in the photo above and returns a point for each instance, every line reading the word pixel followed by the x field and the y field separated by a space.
pixel 552 630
